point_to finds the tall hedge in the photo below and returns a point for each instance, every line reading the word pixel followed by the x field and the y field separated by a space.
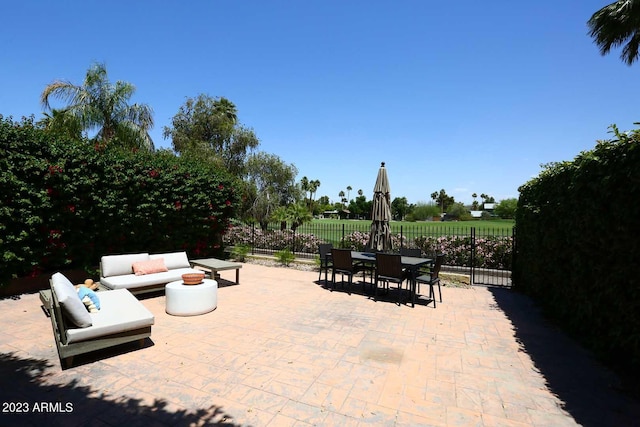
pixel 64 204
pixel 578 247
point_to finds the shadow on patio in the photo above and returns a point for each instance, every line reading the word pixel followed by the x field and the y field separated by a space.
pixel 74 404
pixel 590 393
pixel 365 290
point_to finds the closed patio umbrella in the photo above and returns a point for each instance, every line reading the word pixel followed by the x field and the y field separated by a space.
pixel 380 236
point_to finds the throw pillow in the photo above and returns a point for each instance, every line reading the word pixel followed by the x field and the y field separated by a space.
pixel 69 301
pixel 173 260
pixel 89 299
pixel 149 267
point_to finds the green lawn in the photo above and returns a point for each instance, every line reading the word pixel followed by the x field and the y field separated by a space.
pixel 499 225
pixel 332 230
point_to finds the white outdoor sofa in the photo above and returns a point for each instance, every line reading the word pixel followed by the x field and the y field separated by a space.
pixel 117 271
pixel 121 319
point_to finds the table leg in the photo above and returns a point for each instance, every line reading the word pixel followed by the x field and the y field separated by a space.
pixel 414 274
pixel 237 276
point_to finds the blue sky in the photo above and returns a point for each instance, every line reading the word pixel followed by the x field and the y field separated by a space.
pixel 467 96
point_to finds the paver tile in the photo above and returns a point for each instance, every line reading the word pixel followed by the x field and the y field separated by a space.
pixel 282 350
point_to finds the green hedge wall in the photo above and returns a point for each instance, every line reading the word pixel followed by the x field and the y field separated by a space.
pixel 65 204
pixel 578 247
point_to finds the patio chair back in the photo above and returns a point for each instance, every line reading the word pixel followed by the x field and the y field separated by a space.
pixel 342 260
pixel 432 278
pixel 324 249
pixel 435 273
pixel 414 252
pixel 389 267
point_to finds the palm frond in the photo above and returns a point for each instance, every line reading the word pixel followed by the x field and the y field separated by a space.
pixel 615 25
pixel 102 107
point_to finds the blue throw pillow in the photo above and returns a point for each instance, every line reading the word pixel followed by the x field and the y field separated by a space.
pixel 89 299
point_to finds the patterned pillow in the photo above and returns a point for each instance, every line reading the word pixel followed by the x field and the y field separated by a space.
pixel 89 299
pixel 149 267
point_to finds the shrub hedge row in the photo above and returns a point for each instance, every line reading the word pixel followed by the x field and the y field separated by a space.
pixel 491 251
pixel 65 204
pixel 578 247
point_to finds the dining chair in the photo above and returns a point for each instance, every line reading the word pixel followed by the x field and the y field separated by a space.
pixel 324 249
pixel 415 252
pixel 389 269
pixel 412 252
pixel 342 263
pixel 431 277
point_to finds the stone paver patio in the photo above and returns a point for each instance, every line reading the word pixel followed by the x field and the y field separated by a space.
pixel 282 350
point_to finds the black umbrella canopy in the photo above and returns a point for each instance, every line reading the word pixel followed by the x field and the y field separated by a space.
pixel 380 236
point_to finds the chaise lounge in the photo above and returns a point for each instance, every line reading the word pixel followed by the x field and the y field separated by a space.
pixel 120 319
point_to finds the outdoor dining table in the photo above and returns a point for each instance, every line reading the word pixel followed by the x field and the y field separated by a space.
pixel 411 263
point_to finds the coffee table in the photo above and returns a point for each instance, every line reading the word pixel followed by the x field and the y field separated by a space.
pixel 215 265
pixel 191 300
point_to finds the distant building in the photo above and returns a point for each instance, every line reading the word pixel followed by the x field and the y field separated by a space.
pixel 343 214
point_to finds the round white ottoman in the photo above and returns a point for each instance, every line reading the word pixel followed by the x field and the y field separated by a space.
pixel 191 300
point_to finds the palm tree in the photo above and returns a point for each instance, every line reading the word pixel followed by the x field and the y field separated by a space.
pixel 305 186
pixel 281 215
pixel 298 215
pixel 315 184
pixel 617 24
pixel 62 123
pixel 101 106
pixel 341 195
pixel 349 192
pixel 227 109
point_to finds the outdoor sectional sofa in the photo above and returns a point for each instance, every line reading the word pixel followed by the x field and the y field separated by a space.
pixel 120 319
pixel 143 272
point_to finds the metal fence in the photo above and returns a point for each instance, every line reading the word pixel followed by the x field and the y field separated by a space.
pixel 484 254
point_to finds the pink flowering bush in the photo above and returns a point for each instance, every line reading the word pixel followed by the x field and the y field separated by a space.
pixel 491 252
pixel 356 241
pixel 272 239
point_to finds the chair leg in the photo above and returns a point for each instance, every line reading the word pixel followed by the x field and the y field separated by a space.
pixel 432 294
pixel 412 283
pixel 439 291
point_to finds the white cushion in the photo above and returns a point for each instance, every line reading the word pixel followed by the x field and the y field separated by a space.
pixel 173 259
pixel 116 265
pixel 131 281
pixel 69 301
pixel 120 311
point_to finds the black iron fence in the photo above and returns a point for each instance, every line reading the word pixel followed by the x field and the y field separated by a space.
pixel 485 254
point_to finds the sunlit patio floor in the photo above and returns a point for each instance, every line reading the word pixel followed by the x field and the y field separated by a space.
pixel 281 349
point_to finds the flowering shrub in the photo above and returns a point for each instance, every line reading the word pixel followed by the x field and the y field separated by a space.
pixel 456 249
pixel 356 241
pixel 271 239
pixel 65 204
pixel 492 252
